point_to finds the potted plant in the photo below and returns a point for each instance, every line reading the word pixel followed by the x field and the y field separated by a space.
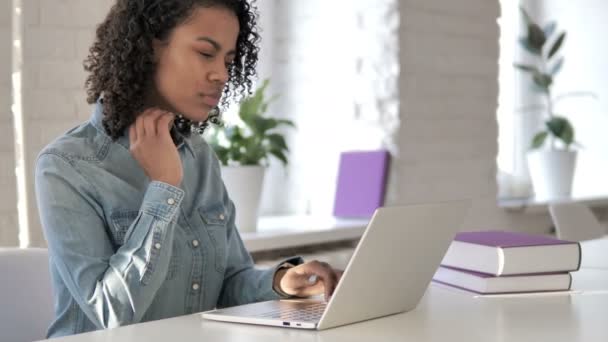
pixel 551 159
pixel 244 150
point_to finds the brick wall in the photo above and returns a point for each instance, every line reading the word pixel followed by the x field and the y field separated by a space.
pixel 448 90
pixel 57 36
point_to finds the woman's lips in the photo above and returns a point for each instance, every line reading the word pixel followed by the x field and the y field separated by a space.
pixel 211 100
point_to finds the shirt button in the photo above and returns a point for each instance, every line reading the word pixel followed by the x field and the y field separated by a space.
pixel 171 201
pixel 195 286
pixel 195 243
pixel 157 245
pixel 222 217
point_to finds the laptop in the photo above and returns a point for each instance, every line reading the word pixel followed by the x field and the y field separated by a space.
pixel 576 222
pixel 388 273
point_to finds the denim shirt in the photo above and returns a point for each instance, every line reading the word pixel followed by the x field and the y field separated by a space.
pixel 125 250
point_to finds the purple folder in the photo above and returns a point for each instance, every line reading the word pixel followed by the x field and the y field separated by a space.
pixel 361 183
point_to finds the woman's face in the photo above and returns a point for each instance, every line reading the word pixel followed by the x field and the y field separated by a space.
pixel 192 64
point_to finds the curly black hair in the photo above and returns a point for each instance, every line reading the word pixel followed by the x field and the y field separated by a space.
pixel 121 60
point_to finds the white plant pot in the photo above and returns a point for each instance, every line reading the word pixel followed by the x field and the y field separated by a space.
pixel 244 185
pixel 552 172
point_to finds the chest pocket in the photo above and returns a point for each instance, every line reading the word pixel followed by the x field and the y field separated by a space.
pixel 214 218
pixel 122 221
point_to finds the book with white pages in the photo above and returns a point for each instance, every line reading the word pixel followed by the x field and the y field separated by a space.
pixel 510 253
pixel 487 284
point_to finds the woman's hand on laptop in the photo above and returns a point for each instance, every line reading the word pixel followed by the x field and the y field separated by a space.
pixel 308 279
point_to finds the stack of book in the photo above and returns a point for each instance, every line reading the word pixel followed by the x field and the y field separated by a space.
pixel 493 262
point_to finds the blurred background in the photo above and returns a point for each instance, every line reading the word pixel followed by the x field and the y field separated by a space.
pixel 431 81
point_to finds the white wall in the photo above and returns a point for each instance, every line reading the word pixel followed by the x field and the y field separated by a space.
pixel 334 65
pixel 57 36
pixel 343 74
pixel 428 93
pixel 8 200
pixel 586 69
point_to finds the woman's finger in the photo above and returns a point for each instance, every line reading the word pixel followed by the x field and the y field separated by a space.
pixel 310 279
pixel 132 134
pixel 163 124
pixel 339 274
pixel 139 127
pixel 150 119
pixel 327 276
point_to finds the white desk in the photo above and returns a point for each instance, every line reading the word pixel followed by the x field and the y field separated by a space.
pixel 443 315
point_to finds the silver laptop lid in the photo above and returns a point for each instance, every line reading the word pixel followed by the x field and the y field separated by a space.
pixel 394 261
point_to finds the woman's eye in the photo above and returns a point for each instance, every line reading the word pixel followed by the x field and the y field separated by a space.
pixel 206 55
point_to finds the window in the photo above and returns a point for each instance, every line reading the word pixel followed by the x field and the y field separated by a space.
pixel 336 77
pixel 583 71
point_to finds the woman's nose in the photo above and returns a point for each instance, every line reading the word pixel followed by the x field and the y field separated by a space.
pixel 219 74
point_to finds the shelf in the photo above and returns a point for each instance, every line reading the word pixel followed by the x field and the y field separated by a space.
pixel 278 232
pixel 534 205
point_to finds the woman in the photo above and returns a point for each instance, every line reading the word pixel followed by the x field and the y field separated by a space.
pixel 137 219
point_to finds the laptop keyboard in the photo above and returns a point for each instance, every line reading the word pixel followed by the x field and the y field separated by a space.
pixel 308 313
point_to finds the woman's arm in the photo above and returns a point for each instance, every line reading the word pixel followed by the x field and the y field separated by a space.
pixel 243 283
pixel 113 287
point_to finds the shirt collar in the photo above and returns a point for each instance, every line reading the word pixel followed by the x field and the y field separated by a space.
pixel 97 121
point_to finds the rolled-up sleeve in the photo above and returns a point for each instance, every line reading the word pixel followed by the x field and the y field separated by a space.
pixel 114 287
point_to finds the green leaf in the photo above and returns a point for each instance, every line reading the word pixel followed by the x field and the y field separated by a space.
pixel 251 152
pixel 263 87
pixel 567 135
pixel 557 45
pixel 254 105
pixel 525 15
pixel 250 107
pixel 286 122
pixel 539 140
pixel 527 68
pixel 279 154
pixel 555 126
pixel 523 41
pixel 261 125
pixel 235 136
pixel 536 36
pixel 562 129
pixel 250 142
pixel 266 104
pixel 543 81
pixel 557 67
pixel 549 29
pixel 277 142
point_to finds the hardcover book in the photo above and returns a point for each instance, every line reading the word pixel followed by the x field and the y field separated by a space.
pixel 506 253
pixel 487 284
